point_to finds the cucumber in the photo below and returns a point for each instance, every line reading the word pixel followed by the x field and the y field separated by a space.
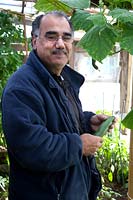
pixel 104 126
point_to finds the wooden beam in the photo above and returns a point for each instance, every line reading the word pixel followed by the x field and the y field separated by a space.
pixel 130 177
pixel 125 82
pixel 129 83
pixel 18 46
pixel 26 43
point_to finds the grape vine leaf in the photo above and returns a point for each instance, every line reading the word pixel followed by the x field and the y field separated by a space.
pixel 98 41
pixel 67 6
pixel 128 120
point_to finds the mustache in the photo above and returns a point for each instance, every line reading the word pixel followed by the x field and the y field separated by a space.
pixel 58 51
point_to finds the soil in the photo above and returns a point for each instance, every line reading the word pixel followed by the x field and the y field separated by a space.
pixel 122 191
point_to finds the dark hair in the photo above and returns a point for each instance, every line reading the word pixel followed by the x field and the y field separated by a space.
pixel 36 23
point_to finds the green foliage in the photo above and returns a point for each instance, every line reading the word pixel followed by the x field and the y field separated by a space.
pixel 128 4
pixel 115 154
pixel 108 194
pixel 4 187
pixel 49 5
pixel 76 3
pixel 113 162
pixel 102 30
pixel 84 17
pixel 10 59
pixel 101 35
pixel 128 120
pixel 122 15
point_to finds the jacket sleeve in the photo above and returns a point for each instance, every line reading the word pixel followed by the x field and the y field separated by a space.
pixel 87 124
pixel 30 143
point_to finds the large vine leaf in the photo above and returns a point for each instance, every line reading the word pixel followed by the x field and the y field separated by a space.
pixel 77 3
pixel 127 38
pixel 81 21
pixel 64 5
pixel 122 15
pixel 98 41
pixel 50 5
pixel 128 120
pixel 98 19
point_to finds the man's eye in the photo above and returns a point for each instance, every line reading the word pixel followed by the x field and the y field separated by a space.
pixel 51 37
pixel 67 37
pixel 55 37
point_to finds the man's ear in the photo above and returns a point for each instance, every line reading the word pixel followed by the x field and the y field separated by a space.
pixel 33 41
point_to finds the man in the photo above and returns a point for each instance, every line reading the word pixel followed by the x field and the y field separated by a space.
pixel 50 139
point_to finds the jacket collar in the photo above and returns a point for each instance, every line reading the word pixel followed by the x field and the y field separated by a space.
pixel 74 78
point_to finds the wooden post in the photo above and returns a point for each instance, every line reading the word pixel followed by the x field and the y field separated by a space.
pixel 125 82
pixel 130 177
pixel 26 43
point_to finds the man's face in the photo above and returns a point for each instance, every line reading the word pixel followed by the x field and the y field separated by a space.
pixel 54 44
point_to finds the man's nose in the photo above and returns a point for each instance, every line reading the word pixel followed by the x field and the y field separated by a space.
pixel 60 43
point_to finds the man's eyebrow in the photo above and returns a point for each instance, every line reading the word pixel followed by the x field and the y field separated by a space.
pixel 51 32
pixel 67 33
pixel 54 32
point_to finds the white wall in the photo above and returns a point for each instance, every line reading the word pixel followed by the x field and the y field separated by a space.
pixel 101 90
pixel 103 96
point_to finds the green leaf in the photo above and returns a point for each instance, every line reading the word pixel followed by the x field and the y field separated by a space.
pixel 63 5
pixel 81 21
pixel 128 120
pixel 98 41
pixel 98 19
pixel 122 15
pixel 49 5
pixel 127 38
pixel 77 3
pixel 110 176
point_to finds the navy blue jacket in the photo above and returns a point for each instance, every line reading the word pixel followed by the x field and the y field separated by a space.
pixel 44 145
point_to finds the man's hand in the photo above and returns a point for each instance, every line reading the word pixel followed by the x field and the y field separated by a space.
pixel 91 143
pixel 96 121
